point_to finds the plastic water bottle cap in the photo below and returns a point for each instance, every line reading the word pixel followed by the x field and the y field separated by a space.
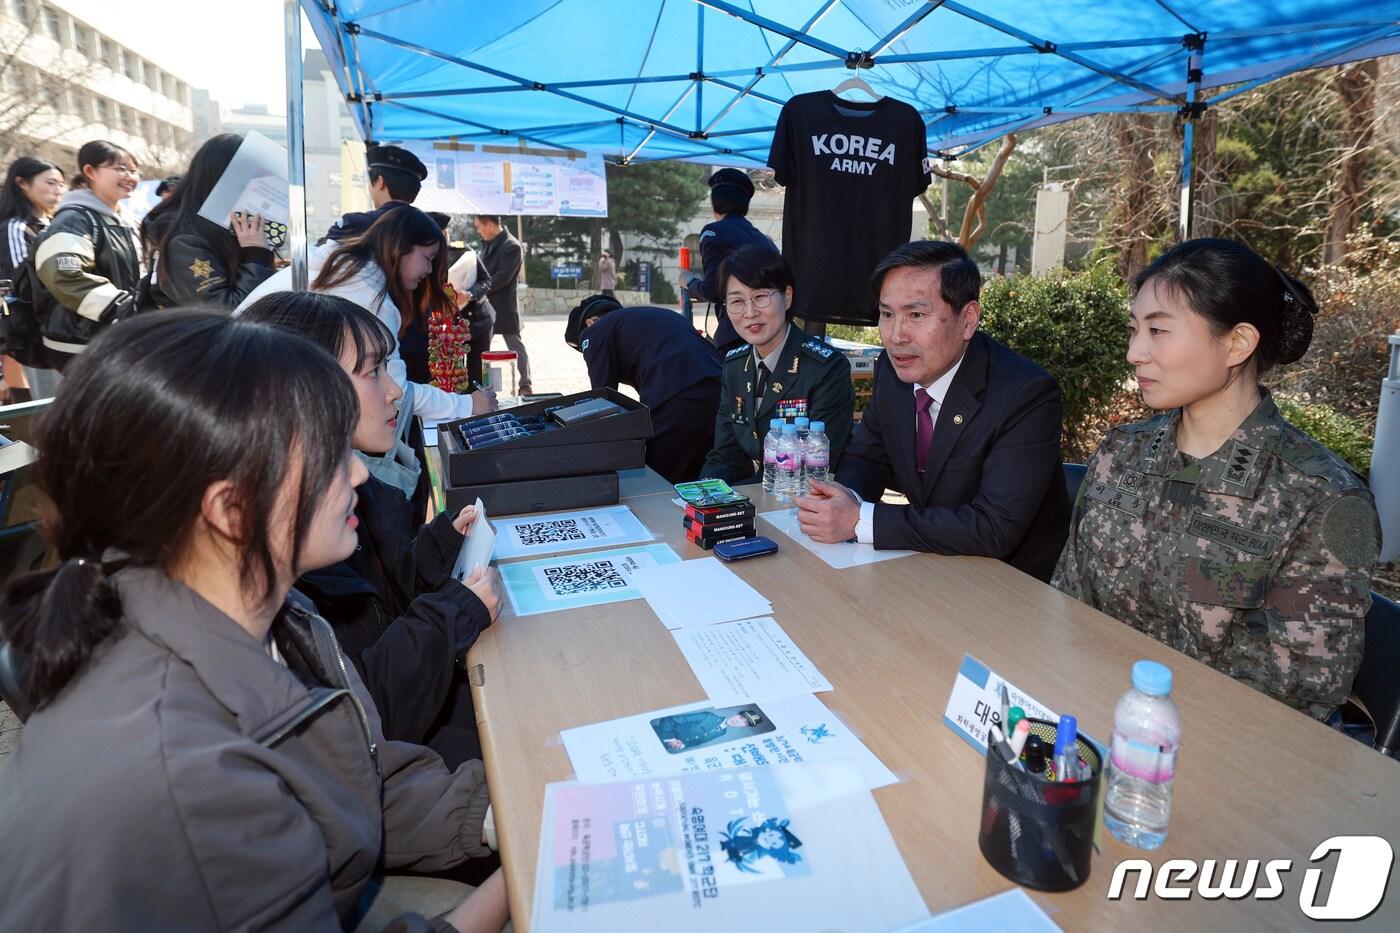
pixel 1152 678
pixel 789 429
pixel 802 422
pixel 777 424
pixel 818 427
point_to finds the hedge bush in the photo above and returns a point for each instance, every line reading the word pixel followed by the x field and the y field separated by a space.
pixel 1345 437
pixel 1075 324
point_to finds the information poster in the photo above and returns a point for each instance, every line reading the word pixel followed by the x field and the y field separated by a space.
pixel 797 847
pixel 465 178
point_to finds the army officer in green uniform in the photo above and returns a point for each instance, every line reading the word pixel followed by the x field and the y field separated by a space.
pixel 777 372
pixel 1217 527
pixel 691 730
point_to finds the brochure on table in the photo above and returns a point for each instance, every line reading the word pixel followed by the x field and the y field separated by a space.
pixel 753 659
pixel 703 736
pixel 561 532
pixel 795 847
pixel 840 556
pixel 570 581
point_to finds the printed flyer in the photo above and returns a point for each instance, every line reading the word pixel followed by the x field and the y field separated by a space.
pixel 792 847
pixel 554 583
pixel 703 737
pixel 554 533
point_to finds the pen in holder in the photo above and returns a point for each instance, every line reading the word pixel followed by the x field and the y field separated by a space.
pixel 1038 832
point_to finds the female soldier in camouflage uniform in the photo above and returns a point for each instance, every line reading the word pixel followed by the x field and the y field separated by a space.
pixel 1217 527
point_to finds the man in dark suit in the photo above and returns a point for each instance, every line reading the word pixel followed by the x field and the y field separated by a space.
pixel 502 258
pixel 968 430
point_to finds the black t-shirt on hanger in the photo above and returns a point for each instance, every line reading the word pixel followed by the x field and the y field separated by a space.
pixel 852 170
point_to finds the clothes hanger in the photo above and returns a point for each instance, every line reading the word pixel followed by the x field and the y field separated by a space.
pixel 856 83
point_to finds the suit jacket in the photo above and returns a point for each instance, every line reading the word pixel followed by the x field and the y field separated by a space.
pixel 502 258
pixel 993 486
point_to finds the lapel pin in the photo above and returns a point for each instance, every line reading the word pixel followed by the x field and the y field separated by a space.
pixel 957 419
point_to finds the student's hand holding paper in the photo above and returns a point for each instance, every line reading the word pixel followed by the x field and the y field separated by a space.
pixel 248 229
pixel 485 582
pixel 829 513
pixel 463 522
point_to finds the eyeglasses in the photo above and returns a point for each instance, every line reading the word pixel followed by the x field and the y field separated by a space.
pixel 761 301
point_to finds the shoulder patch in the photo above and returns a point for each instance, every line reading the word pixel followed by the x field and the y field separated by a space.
pixel 584 345
pixel 1349 531
pixel 818 348
pixel 737 352
pixel 707 232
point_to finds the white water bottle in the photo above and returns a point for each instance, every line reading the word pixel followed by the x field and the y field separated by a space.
pixel 770 453
pixel 804 426
pixel 1142 760
pixel 816 457
pixel 789 464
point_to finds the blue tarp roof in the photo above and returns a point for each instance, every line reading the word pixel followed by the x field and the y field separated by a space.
pixel 704 80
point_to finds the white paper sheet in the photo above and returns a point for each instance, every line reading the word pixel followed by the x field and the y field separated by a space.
pixel 840 556
pixel 560 532
pixel 255 181
pixel 796 847
pixel 1008 912
pixel 699 592
pixel 476 546
pixel 796 729
pixel 749 660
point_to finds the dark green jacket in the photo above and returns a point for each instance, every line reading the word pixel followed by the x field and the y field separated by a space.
pixel 812 379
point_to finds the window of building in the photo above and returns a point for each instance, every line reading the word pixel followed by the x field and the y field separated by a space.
pixel 53 24
pixel 80 39
pixel 107 52
pixel 131 66
pixel 100 111
pixel 19 9
pixel 167 85
pixel 152 77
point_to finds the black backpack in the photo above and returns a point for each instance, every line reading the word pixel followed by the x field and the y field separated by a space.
pixel 26 304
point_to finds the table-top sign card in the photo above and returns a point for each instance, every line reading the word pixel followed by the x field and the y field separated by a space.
pixel 976 702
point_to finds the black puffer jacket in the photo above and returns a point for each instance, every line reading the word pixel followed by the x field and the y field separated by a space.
pixel 90 264
pixel 405 623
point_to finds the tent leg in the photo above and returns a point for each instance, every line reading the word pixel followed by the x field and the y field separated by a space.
pixel 1192 112
pixel 296 148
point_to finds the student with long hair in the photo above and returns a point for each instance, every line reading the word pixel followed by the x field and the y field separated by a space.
pixel 396 271
pixel 402 618
pixel 1217 527
pixel 184 704
pixel 88 258
pixel 30 195
pixel 196 261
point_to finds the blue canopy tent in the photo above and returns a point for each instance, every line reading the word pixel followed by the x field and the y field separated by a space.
pixel 704 80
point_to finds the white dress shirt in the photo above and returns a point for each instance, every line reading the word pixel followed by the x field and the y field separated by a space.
pixel 938 391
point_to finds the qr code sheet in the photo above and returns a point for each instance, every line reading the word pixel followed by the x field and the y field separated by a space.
pixel 555 532
pixel 592 577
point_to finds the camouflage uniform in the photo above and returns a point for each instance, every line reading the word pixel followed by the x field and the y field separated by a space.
pixel 1260 555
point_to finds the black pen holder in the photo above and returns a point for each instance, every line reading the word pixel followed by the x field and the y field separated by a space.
pixel 1037 832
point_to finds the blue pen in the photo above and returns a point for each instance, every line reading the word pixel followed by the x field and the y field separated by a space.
pixel 1066 749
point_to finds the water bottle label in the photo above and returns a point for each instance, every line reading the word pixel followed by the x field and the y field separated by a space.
pixel 787 462
pixel 819 462
pixel 1143 760
pixel 770 457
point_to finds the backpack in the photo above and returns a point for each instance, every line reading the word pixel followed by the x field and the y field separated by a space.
pixel 26 305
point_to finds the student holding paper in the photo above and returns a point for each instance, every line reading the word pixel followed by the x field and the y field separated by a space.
pixel 402 619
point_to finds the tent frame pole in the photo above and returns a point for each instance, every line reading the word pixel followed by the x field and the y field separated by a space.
pixel 296 147
pixel 1195 47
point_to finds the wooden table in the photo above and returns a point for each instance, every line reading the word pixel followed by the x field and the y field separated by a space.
pixel 1255 779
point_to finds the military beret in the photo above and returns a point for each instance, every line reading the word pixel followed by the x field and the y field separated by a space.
pixel 733 179
pixel 396 158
